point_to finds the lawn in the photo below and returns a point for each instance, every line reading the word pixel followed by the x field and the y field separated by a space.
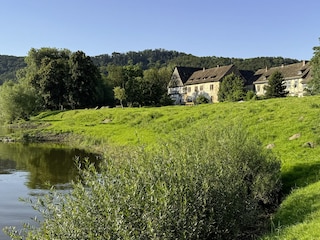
pixel 290 127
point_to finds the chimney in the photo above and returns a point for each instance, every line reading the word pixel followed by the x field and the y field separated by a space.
pixel 303 63
pixel 282 66
pixel 203 69
pixel 218 66
pixel 266 68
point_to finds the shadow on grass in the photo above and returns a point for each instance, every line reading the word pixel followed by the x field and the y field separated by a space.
pixel 300 175
pixel 300 206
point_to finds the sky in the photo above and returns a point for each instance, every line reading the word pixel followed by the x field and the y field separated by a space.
pixel 225 28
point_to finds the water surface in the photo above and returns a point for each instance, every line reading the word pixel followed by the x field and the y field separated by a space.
pixel 27 170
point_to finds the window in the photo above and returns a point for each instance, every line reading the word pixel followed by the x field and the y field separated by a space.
pixel 184 89
pixel 211 87
pixel 288 84
pixel 201 87
pixel 196 88
pixel 189 89
pixel 258 88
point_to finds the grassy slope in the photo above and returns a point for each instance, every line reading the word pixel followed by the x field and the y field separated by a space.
pixel 272 121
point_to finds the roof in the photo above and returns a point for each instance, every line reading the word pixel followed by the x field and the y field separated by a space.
pixel 209 75
pixel 296 70
pixel 186 72
pixel 181 73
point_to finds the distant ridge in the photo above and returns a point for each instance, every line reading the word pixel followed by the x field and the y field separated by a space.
pixel 155 58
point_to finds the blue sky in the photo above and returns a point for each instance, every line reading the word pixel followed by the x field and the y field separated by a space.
pixel 233 28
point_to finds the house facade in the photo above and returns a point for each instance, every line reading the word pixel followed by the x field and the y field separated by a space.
pixel 296 77
pixel 179 77
pixel 204 82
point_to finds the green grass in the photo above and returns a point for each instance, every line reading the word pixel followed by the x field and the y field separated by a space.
pixel 273 121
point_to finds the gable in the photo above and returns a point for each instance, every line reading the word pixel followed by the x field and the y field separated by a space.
pixel 180 75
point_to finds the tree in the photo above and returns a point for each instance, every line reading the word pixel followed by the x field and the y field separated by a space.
pixel 53 76
pixel 120 94
pixel 83 84
pixel 314 85
pixel 18 101
pixel 63 79
pixel 231 89
pixel 276 86
pixel 154 85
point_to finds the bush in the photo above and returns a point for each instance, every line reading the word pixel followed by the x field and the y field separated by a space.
pixel 202 99
pixel 250 95
pixel 212 185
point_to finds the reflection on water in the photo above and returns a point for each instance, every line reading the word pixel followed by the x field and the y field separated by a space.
pixel 26 170
pixel 47 164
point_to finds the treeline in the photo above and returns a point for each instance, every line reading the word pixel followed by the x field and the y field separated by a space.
pixel 154 59
pixel 163 58
pixel 56 79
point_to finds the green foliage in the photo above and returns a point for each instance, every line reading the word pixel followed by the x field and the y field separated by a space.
pixel 202 99
pixel 276 87
pixel 62 78
pixel 143 88
pixel 18 101
pixel 250 95
pixel 8 67
pixel 120 94
pixel 314 85
pixel 211 185
pixel 231 89
pixel 163 58
pixel 84 82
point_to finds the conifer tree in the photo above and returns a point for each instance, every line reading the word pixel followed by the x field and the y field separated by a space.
pixel 275 87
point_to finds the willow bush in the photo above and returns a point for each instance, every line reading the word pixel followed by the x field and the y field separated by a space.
pixel 212 184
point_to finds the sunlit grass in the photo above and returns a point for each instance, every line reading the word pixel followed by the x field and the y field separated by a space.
pixel 273 121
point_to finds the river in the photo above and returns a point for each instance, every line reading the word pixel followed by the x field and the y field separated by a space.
pixel 26 170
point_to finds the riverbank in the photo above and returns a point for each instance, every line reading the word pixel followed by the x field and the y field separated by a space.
pixel 273 121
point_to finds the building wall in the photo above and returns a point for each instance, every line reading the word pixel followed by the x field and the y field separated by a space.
pixel 209 90
pixel 294 86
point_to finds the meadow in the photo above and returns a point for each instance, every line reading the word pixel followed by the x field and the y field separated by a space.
pixel 289 127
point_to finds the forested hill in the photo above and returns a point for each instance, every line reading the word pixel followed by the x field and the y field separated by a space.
pixel 9 65
pixel 161 58
pixel 155 58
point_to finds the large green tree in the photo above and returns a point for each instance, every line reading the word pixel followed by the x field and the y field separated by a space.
pixel 276 87
pixel 155 82
pixel 53 76
pixel 83 84
pixel 63 79
pixel 314 85
pixel 231 89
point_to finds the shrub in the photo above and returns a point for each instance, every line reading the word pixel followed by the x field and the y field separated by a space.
pixel 250 95
pixel 211 185
pixel 202 99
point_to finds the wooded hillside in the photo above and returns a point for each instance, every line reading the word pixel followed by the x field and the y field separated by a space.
pixel 154 58
pixel 8 67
